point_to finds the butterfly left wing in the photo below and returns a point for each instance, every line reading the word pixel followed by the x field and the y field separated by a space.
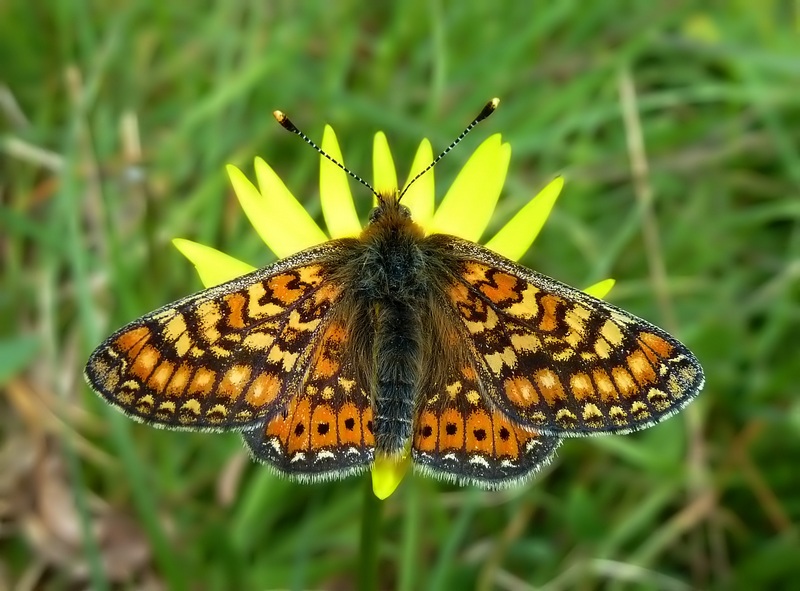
pixel 559 361
pixel 223 358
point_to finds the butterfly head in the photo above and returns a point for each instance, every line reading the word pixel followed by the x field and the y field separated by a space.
pixel 389 207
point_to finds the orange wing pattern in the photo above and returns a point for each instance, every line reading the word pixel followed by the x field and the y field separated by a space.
pixel 459 434
pixel 325 431
pixel 562 362
pixel 225 357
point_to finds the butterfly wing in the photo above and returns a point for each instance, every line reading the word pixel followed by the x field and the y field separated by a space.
pixel 325 430
pixel 560 361
pixel 459 433
pixel 223 358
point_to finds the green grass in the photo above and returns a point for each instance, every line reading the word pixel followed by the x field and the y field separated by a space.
pixel 706 500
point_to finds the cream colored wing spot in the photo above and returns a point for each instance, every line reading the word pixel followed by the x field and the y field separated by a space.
pixel 591 413
pixel 618 415
pixel 259 341
pixel 527 308
pixel 639 409
pixel 611 332
pixel 505 358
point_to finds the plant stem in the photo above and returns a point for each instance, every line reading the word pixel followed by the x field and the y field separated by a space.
pixel 370 539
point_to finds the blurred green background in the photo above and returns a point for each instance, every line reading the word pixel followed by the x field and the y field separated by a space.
pixel 117 120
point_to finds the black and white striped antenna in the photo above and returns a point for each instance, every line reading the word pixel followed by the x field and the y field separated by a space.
pixel 287 124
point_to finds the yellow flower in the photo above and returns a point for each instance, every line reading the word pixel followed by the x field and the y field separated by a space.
pixel 286 227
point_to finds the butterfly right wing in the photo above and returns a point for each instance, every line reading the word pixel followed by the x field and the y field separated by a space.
pixel 226 357
pixel 560 361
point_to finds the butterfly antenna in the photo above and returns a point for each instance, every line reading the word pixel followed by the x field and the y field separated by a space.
pixel 485 112
pixel 287 124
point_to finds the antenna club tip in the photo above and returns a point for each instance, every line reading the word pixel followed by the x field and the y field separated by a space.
pixel 489 109
pixel 285 122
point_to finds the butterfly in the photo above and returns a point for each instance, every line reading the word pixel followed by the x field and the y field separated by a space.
pixel 396 340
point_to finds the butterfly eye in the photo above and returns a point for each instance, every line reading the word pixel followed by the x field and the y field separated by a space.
pixel 375 214
pixel 405 212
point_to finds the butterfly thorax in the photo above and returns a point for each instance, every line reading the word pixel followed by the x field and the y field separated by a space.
pixel 393 259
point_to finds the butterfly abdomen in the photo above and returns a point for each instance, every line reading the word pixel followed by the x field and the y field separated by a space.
pixel 397 345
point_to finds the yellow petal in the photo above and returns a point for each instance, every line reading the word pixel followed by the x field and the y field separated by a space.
pixel 601 288
pixel 421 196
pixel 280 220
pixel 515 238
pixel 468 205
pixel 387 474
pixel 338 208
pixel 213 266
pixel 383 166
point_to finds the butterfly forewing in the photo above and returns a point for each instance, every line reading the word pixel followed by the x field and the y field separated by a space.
pixel 225 357
pixel 557 360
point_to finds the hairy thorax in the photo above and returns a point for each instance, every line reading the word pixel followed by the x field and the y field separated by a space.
pixel 394 265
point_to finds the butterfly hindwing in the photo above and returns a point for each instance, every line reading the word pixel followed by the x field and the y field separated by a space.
pixel 225 357
pixel 459 434
pixel 560 361
pixel 325 429
pixel 461 437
